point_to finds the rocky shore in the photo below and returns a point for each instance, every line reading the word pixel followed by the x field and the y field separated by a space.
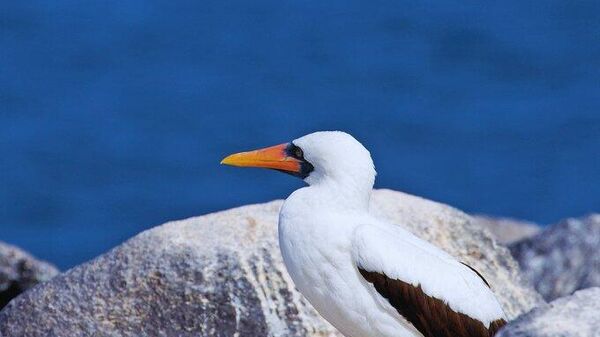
pixel 20 271
pixel 221 274
pixel 562 258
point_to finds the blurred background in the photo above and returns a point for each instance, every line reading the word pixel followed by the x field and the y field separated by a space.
pixel 114 115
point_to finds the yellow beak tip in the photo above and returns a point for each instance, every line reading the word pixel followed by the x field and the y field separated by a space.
pixel 232 160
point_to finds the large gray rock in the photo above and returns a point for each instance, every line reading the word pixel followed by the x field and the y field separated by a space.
pixel 572 316
pixel 20 271
pixel 563 258
pixel 507 230
pixel 222 275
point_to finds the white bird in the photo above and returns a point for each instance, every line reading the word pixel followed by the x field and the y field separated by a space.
pixel 365 276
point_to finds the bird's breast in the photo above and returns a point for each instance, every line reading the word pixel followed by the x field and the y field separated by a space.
pixel 317 255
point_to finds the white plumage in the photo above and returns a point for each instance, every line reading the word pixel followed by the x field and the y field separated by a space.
pixel 328 238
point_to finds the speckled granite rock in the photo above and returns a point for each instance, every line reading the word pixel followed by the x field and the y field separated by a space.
pixel 572 316
pixel 563 258
pixel 507 230
pixel 20 271
pixel 221 275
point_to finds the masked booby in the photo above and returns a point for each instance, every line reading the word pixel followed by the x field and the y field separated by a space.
pixel 365 276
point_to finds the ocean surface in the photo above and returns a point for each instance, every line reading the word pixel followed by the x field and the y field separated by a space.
pixel 114 115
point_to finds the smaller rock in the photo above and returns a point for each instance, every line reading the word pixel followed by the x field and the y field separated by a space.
pixel 573 316
pixel 562 258
pixel 507 230
pixel 20 271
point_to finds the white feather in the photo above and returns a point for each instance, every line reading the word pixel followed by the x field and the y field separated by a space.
pixel 326 232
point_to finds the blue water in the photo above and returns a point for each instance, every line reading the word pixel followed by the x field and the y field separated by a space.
pixel 115 114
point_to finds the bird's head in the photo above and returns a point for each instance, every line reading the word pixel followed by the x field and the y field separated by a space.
pixel 320 157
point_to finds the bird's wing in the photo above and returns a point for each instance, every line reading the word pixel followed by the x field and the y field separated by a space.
pixel 438 295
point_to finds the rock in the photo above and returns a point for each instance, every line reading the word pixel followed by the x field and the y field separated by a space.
pixel 507 230
pixel 221 275
pixel 20 271
pixel 572 316
pixel 563 258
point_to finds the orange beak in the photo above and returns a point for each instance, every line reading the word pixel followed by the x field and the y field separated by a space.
pixel 274 157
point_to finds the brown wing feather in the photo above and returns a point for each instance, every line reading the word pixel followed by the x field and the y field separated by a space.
pixel 429 315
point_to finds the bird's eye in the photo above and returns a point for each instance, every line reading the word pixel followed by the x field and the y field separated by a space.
pixel 295 152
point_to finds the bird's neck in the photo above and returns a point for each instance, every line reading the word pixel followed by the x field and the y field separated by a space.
pixel 343 195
